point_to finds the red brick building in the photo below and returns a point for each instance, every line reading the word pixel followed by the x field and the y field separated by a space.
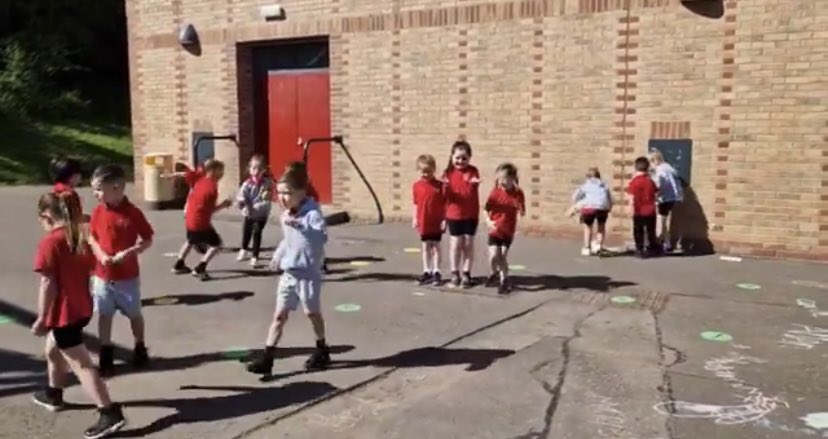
pixel 738 89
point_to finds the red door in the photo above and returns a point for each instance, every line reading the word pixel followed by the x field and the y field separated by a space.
pixel 299 106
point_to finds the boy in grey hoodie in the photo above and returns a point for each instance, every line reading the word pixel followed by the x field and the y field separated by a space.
pixel 253 200
pixel 595 202
pixel 299 257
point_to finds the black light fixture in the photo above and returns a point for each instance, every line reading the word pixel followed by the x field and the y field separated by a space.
pixel 187 36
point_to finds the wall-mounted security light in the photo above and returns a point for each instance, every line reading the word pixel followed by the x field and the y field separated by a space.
pixel 273 12
pixel 187 36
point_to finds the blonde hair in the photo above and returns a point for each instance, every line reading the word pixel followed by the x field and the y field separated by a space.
pixel 64 207
pixel 656 156
pixel 426 160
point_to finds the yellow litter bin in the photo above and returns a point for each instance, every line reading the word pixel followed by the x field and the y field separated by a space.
pixel 159 190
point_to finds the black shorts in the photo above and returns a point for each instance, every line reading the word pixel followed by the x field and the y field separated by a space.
pixel 71 335
pixel 665 208
pixel 589 218
pixel 466 227
pixel 494 241
pixel 201 238
pixel 436 237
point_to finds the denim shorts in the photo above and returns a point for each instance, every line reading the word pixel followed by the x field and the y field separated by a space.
pixel 119 295
pixel 294 289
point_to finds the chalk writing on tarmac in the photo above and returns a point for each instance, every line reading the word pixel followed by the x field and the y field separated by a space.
pixel 609 419
pixel 804 337
pixel 754 404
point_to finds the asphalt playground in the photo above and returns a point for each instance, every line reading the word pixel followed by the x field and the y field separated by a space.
pixel 584 348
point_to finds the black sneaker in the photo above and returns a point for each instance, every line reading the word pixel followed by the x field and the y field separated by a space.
pixel 262 364
pixel 436 279
pixel 493 280
pixel 110 420
pixel 106 361
pixel 140 356
pixel 504 287
pixel 424 278
pixel 320 359
pixel 50 398
pixel 200 272
pixel 467 280
pixel 325 267
pixel 180 267
pixel 455 279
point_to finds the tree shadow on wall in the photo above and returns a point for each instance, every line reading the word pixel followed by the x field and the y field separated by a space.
pixel 705 8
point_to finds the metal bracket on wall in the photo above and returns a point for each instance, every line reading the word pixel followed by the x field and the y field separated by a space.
pixel 197 143
pixel 338 140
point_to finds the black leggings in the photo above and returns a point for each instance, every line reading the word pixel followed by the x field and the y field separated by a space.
pixel 253 228
pixel 644 225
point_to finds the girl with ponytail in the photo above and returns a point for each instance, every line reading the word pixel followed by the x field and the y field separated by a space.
pixel 64 262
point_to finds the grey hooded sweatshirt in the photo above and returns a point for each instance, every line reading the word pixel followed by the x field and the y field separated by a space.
pixel 593 194
pixel 302 250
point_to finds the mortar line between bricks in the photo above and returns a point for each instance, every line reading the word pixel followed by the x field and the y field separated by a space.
pixel 382 375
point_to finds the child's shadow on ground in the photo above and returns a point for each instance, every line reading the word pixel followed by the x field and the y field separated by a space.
pixel 551 282
pixel 246 401
pixel 476 359
pixel 195 299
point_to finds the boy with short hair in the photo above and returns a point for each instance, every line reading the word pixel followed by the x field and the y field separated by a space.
pixel 299 257
pixel 119 232
pixel 641 197
pixel 198 215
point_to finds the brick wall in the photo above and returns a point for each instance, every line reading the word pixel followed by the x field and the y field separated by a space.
pixel 554 86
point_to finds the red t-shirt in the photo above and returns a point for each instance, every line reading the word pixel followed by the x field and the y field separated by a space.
pixel 462 198
pixel 503 207
pixel 431 205
pixel 201 204
pixel 644 191
pixel 117 228
pixel 59 188
pixel 70 273
pixel 191 177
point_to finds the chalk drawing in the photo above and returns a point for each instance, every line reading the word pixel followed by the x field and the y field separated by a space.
pixel 749 286
pixel 622 300
pixel 812 307
pixel 810 284
pixel 754 404
pixel 817 421
pixel 608 418
pixel 770 425
pixel 804 337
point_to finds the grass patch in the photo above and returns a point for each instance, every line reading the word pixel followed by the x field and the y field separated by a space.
pixel 27 147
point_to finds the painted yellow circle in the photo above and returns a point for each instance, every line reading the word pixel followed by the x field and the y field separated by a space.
pixel 360 263
pixel 165 301
pixel 411 250
pixel 517 267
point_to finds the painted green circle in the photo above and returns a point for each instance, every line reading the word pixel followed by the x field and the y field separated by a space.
pixel 622 300
pixel 236 353
pixel 517 267
pixel 749 286
pixel 6 319
pixel 348 307
pixel 719 336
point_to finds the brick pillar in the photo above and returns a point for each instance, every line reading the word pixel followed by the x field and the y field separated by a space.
pixel 463 82
pixel 723 112
pixel 536 140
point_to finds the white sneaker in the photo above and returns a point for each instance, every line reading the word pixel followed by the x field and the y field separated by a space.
pixel 254 262
pixel 243 255
pixel 596 247
pixel 586 251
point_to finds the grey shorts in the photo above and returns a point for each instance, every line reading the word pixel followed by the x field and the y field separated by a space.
pixel 121 295
pixel 293 289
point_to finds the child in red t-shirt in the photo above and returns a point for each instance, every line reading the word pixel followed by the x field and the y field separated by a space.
pixel 641 199
pixel 462 181
pixel 118 233
pixel 64 262
pixel 504 204
pixel 67 175
pixel 202 203
pixel 429 218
